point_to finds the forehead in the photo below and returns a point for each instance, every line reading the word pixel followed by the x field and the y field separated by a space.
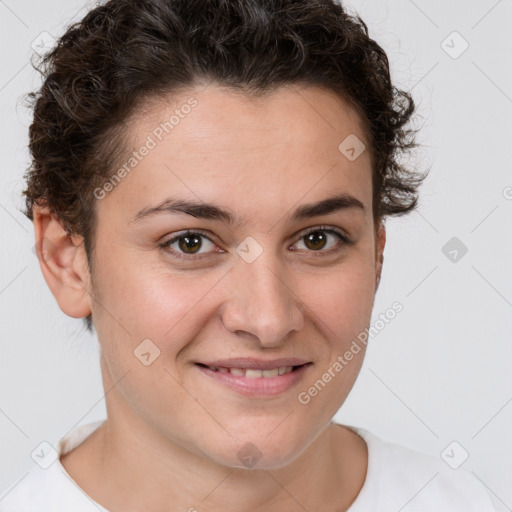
pixel 222 114
pixel 282 146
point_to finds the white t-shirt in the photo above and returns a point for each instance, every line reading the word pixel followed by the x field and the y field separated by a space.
pixel 397 479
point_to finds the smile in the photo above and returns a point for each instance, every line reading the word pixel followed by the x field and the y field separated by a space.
pixel 251 373
pixel 256 382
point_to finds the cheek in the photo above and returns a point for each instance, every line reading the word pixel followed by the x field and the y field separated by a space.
pixel 176 310
pixel 145 297
pixel 148 300
pixel 342 301
pixel 342 311
pixel 142 292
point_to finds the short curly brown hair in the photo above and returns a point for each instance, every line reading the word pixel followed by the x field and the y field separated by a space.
pixel 127 51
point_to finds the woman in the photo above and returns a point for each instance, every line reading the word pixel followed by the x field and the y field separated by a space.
pixel 209 187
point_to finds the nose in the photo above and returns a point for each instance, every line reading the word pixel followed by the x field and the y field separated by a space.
pixel 262 303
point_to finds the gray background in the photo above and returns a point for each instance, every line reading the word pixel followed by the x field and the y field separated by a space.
pixel 440 371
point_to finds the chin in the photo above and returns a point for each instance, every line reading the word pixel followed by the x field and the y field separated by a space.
pixel 262 451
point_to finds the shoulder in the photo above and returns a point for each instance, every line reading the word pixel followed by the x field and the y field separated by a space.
pixel 40 490
pixel 46 490
pixel 399 478
pixel 48 487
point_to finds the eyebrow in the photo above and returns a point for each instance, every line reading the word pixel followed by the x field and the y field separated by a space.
pixel 207 211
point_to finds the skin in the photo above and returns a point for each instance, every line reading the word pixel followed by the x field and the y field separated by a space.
pixel 172 435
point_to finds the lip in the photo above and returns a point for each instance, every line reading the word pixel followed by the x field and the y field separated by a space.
pixel 258 387
pixel 255 364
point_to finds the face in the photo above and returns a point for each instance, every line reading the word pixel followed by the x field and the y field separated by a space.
pixel 193 301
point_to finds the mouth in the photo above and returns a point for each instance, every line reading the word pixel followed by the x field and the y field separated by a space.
pixel 256 378
pixel 253 373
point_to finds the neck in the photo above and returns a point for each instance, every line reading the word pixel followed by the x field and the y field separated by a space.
pixel 145 471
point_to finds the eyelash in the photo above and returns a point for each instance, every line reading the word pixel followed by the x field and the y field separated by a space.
pixel 326 229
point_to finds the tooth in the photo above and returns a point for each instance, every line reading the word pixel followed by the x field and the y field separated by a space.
pixel 212 368
pixel 253 374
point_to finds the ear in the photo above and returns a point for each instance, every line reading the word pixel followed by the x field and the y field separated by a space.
pixel 380 242
pixel 63 262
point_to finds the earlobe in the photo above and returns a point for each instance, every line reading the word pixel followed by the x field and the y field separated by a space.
pixel 63 263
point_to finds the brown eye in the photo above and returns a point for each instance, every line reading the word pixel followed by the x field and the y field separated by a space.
pixel 315 240
pixel 189 244
pixel 323 240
